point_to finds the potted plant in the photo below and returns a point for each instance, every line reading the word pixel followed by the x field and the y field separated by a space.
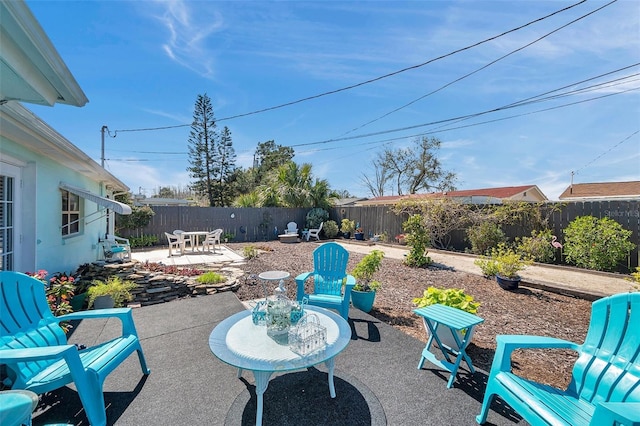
pixel 364 292
pixel 505 264
pixel 111 293
pixel 228 236
pixel 359 234
pixel 456 298
pixel 347 227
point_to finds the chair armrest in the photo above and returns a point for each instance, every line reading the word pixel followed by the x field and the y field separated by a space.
pixel 300 279
pixel 507 343
pixel 614 413
pixel 125 315
pixel 351 281
pixel 35 354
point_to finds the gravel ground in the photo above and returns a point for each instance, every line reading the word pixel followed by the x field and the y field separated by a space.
pixel 525 311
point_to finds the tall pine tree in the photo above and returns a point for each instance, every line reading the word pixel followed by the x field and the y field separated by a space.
pixel 203 149
pixel 226 169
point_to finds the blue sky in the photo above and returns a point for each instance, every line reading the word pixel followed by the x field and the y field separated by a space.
pixel 142 65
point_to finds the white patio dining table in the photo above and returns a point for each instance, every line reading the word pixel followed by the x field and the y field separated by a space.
pixel 196 242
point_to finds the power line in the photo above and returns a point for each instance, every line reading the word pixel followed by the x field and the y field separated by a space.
pixel 516 104
pixel 446 122
pixel 607 151
pixel 479 69
pixel 353 86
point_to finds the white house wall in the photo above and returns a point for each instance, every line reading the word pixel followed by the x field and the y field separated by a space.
pixel 41 245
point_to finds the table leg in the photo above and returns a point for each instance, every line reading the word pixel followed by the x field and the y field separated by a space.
pixel 330 364
pixel 262 381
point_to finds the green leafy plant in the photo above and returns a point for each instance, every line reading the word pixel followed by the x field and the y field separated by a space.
pixel 485 236
pixel 365 269
pixel 537 247
pixel 597 244
pixel 211 277
pixel 417 236
pixel 635 278
pixel 315 217
pixel 116 287
pixel 228 236
pixel 330 229
pixel 487 265
pixel 347 225
pixel 503 261
pixel 143 241
pixel 59 290
pixel 456 298
pixel 250 252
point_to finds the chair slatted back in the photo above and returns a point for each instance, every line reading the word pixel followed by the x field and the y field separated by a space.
pixel 330 268
pixel 26 320
pixel 608 367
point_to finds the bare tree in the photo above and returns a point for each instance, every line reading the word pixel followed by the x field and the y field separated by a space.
pixel 411 169
pixel 377 183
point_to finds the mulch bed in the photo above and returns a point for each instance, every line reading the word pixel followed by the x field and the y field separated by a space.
pixel 524 311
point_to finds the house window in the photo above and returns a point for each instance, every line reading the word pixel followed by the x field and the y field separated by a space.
pixel 6 223
pixel 70 213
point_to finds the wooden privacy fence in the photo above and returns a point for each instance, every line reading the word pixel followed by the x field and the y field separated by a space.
pixel 262 224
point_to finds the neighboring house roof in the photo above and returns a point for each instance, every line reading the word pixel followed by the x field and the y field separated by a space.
pixel 477 196
pixel 348 201
pixel 21 125
pixel 602 190
pixel 31 70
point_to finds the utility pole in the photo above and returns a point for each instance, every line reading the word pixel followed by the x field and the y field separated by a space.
pixel 104 128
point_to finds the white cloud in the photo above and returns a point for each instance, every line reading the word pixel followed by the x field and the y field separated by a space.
pixel 188 34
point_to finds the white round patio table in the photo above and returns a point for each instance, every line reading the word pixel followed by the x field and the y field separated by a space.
pixel 238 342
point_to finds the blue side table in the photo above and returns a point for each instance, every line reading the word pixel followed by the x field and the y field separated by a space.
pixel 16 407
pixel 456 320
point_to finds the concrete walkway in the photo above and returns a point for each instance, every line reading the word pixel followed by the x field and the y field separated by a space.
pixel 583 283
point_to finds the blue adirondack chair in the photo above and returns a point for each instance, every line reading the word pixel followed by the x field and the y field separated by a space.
pixel 605 384
pixel 35 350
pixel 329 278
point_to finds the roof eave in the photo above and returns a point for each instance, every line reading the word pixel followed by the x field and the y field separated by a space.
pixel 31 68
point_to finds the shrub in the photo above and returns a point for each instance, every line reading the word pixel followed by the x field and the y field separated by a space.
pixel 315 217
pixel 597 244
pixel 364 270
pixel 503 261
pixel 635 278
pixel 347 225
pixel 330 229
pixel 211 278
pixel 456 298
pixel 143 241
pixel 417 237
pixel 59 290
pixel 485 236
pixel 116 287
pixel 487 265
pixel 537 247
pixel 250 252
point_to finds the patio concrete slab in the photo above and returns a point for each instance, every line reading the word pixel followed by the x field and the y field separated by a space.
pixel 196 257
pixel 376 377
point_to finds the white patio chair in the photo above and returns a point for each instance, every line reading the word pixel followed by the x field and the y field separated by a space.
pixel 315 233
pixel 292 228
pixel 116 248
pixel 174 242
pixel 184 238
pixel 212 239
